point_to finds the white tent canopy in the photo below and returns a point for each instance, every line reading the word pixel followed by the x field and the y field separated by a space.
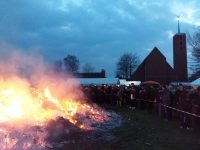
pixel 127 83
pixel 122 81
pixel 196 82
pixel 132 82
pixel 98 81
pixel 181 83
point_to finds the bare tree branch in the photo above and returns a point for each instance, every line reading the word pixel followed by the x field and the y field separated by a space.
pixel 71 63
pixel 126 65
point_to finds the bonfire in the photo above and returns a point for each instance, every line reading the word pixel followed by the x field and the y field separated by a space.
pixel 39 106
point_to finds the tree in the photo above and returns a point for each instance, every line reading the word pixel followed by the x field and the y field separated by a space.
pixel 194 41
pixel 126 64
pixel 88 68
pixel 71 63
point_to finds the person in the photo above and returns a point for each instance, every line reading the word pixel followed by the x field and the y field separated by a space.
pixel 142 95
pixel 151 95
pixel 121 96
pixel 195 97
pixel 132 98
pixel 159 102
pixel 167 102
pixel 185 105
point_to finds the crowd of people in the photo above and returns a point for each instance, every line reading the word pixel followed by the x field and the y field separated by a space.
pixel 181 103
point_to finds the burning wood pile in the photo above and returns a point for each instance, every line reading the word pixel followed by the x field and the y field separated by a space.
pixel 31 120
pixel 40 111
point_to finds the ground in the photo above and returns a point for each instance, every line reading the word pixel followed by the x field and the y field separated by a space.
pixel 142 130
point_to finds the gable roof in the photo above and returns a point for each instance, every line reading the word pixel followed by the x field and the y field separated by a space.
pixel 154 51
pixel 147 69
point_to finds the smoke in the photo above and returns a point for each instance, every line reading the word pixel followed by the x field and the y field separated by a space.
pixel 22 72
pixel 38 105
pixel 31 69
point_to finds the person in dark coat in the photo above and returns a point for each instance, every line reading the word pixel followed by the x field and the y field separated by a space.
pixel 195 121
pixel 186 106
pixel 167 101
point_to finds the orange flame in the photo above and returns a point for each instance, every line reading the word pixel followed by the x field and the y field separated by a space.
pixel 18 104
pixel 21 105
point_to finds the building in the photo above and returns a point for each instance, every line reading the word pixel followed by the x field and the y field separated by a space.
pixel 180 56
pixel 101 74
pixel 155 67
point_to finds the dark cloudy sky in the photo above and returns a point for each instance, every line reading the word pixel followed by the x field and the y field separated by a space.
pixel 96 31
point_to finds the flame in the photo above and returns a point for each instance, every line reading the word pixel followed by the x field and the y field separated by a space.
pixel 22 106
pixel 31 95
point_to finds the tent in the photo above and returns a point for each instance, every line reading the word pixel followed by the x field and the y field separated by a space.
pixel 127 83
pixel 180 83
pixel 196 82
pixel 150 82
pixel 98 81
pixel 132 82
pixel 122 81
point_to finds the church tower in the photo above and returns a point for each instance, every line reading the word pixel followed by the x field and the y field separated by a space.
pixel 180 56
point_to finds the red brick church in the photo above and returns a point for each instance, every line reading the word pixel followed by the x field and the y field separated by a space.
pixel 156 68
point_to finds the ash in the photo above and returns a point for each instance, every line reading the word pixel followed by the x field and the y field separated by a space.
pixel 70 134
pixel 102 131
pixel 58 133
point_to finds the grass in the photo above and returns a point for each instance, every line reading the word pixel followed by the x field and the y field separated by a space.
pixel 141 130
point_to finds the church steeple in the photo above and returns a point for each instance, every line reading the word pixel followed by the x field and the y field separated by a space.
pixel 180 55
pixel 178 24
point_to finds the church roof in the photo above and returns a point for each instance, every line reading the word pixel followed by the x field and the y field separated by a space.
pixel 154 66
pixel 155 51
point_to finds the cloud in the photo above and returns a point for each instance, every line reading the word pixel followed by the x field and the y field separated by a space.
pixel 187 10
pixel 169 34
pixel 98 31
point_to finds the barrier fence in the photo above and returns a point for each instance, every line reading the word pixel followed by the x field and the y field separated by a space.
pixel 166 106
pixel 178 110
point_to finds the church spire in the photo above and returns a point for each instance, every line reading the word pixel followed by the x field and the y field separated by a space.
pixel 178 24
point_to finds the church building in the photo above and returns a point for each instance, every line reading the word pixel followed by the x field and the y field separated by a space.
pixel 156 68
